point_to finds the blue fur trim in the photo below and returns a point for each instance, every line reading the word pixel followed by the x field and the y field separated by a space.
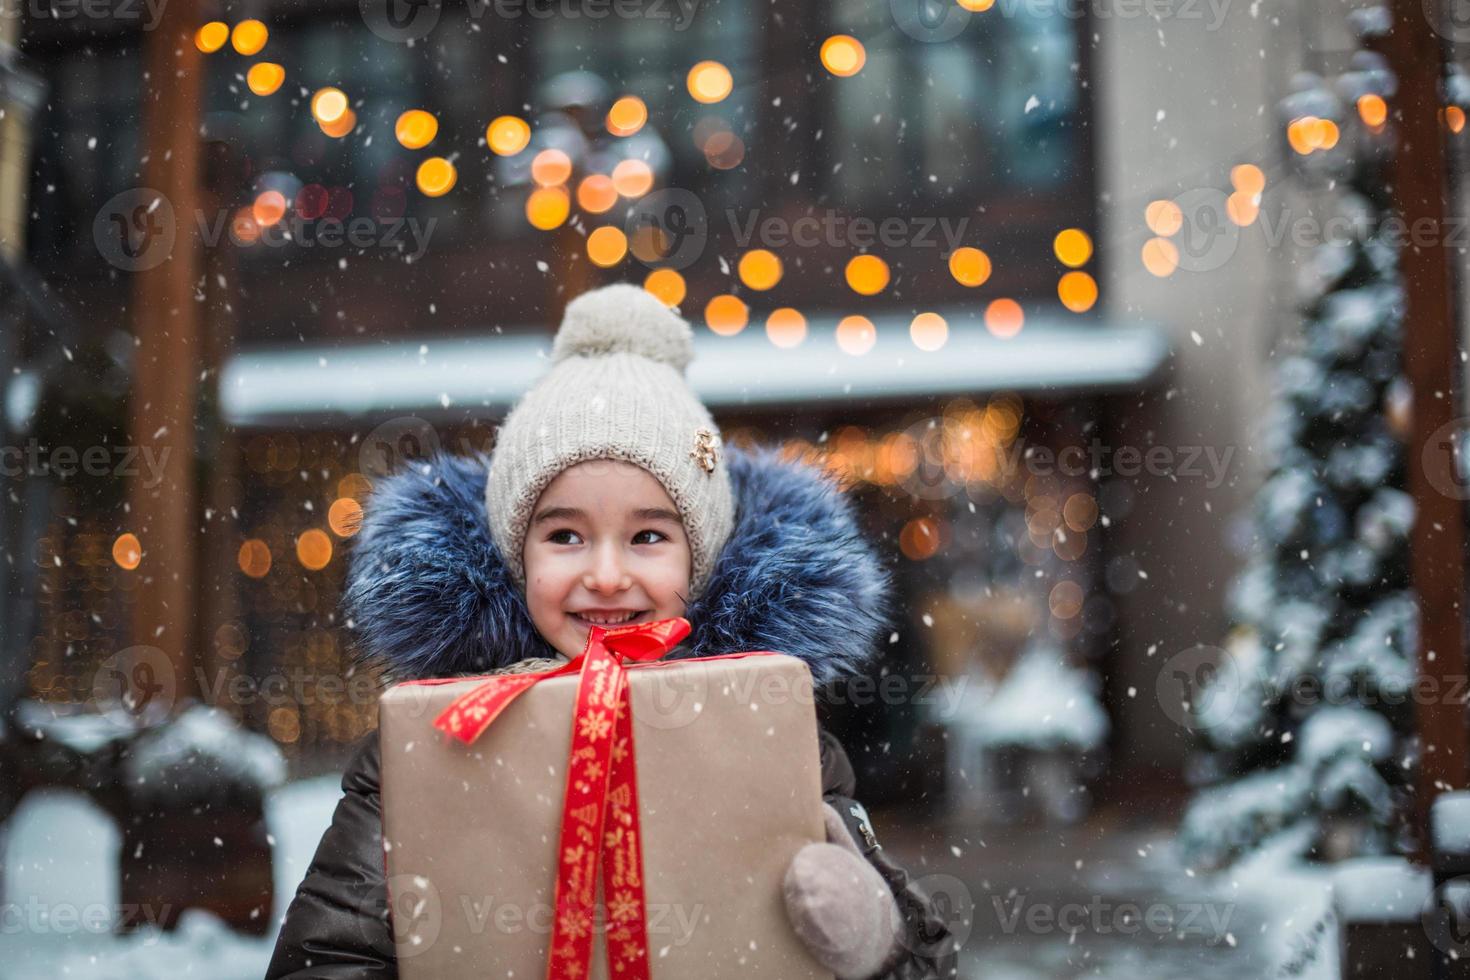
pixel 430 596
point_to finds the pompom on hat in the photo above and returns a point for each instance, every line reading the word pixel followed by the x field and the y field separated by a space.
pixel 616 390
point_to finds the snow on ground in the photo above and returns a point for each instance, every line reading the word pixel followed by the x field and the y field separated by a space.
pixel 60 861
pixel 1298 928
pixel 60 894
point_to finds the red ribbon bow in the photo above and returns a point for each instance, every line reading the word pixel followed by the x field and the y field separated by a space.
pixel 600 810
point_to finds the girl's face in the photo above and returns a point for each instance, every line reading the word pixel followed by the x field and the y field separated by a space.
pixel 606 545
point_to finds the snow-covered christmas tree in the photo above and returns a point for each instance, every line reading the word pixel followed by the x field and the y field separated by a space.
pixel 1307 727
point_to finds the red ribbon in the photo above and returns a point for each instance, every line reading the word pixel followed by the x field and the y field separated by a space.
pixel 599 821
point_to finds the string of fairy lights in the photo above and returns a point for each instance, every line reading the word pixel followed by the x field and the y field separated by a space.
pixel 549 204
pixel 557 187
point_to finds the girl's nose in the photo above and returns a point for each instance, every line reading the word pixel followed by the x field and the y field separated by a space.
pixel 607 572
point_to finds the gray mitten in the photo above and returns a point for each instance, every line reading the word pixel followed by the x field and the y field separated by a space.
pixel 840 906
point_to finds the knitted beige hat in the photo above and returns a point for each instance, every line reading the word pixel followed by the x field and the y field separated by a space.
pixel 616 390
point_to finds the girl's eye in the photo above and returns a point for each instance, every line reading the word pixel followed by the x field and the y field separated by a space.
pixel 561 537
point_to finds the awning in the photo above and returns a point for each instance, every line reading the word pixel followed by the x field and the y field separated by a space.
pixel 429 378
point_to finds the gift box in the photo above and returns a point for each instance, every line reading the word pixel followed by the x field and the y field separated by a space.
pixel 619 816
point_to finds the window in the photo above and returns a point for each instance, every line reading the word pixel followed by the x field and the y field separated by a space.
pixel 86 147
pixel 993 111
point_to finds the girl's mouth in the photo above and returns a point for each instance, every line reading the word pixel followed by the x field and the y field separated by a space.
pixel 607 621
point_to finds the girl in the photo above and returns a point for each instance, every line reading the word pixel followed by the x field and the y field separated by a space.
pixel 609 498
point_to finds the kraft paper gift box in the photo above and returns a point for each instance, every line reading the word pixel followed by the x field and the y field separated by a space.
pixel 728 788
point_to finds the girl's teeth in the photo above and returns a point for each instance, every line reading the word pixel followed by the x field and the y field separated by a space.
pixel 603 621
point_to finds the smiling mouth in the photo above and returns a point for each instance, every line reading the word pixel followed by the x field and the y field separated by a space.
pixel 607 620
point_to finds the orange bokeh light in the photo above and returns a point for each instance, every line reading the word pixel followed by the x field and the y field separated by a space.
pixel 606 246
pixel 436 176
pixel 856 335
pixel 596 194
pixel 127 551
pixel 632 178
pixel 551 167
pixel 843 55
pixel 269 207
pixel 726 315
pixel 314 549
pixel 344 517
pixel 626 116
pixel 1163 217
pixel 1077 291
pixel 1160 257
pixel 969 266
pixel 709 82
pixel 249 36
pixel 212 36
pixel 867 275
pixel 759 269
pixel 416 129
pixel 507 135
pixel 265 77
pixel 786 327
pixel 667 285
pixel 255 558
pixel 929 331
pixel 1004 317
pixel 548 207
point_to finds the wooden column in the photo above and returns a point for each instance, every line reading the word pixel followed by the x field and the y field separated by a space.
pixel 1421 183
pixel 166 318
